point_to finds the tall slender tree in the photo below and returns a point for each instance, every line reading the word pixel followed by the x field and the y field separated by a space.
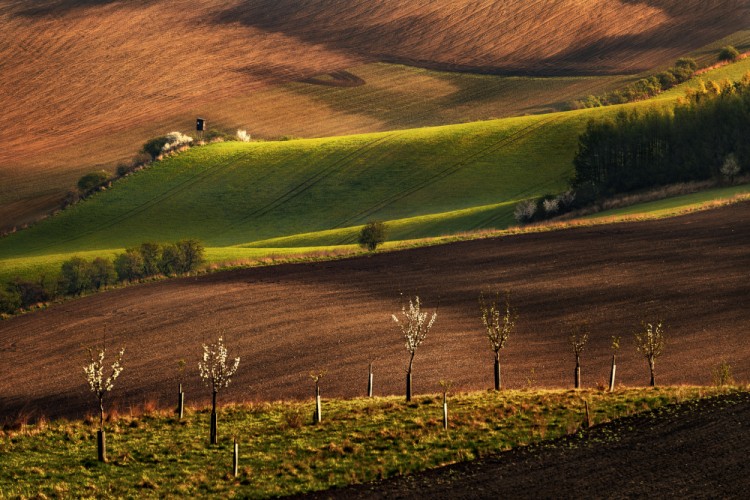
pixel 414 326
pixel 499 320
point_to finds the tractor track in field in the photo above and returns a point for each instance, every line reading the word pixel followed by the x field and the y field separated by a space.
pixel 286 320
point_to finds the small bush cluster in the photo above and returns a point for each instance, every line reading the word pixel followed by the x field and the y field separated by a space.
pixel 729 54
pixel 645 88
pixel 78 275
pixel 548 206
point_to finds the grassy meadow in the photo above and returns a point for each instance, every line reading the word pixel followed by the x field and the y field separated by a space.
pixel 264 200
pixel 152 454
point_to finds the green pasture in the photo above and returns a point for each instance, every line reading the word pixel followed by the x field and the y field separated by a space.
pixel 154 455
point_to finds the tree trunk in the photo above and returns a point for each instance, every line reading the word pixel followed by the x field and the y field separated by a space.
pixel 318 416
pixel 651 368
pixel 214 421
pixel 445 412
pixel 369 382
pixel 578 374
pixel 180 403
pixel 612 374
pixel 236 459
pixel 101 413
pixel 497 371
pixel 101 446
pixel 408 378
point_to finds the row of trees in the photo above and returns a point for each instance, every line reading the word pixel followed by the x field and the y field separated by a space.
pixel 78 275
pixel 645 88
pixel 704 137
pixel 216 368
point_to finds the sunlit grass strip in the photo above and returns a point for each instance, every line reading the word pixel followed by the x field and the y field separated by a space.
pixel 281 452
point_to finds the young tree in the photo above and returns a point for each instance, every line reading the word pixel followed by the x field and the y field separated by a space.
pixel 414 327
pixel 499 322
pixel 102 272
pixel 216 374
pixel 317 376
pixel 730 168
pixel 75 276
pixel 150 254
pixel 650 341
pixel 191 255
pixel 100 386
pixel 372 235
pixel 578 339
pixel 129 265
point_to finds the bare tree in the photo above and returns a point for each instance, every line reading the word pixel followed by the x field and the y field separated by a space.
pixel 650 341
pixel 578 339
pixel 100 386
pixel 216 374
pixel 414 327
pixel 499 322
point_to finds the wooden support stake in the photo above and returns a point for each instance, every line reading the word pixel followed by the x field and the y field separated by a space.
pixel 369 383
pixel 445 414
pixel 588 415
pixel 180 403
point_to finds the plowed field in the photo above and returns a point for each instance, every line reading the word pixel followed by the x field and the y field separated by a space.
pixel 289 320
pixel 85 83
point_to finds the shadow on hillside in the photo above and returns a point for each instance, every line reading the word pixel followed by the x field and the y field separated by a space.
pixel 46 8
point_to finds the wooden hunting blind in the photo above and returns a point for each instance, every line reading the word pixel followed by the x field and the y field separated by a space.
pixel 200 124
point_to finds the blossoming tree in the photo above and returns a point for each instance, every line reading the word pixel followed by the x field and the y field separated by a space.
pixel 216 374
pixel 414 327
pixel 100 386
pixel 650 341
pixel 499 322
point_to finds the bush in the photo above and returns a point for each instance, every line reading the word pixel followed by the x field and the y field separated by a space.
pixel 154 147
pixel 150 256
pixel 729 54
pixel 722 374
pixel 243 136
pixel 372 235
pixel 92 180
pixel 129 265
pixel 102 273
pixel 29 293
pixel 170 259
pixel 190 253
pixel 525 211
pixel 75 276
pixel 10 302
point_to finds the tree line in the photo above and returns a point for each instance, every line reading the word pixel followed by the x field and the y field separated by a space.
pixel 703 137
pixel 78 275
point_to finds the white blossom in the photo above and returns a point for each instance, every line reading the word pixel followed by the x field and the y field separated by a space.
pixel 415 324
pixel 214 370
pixel 95 372
pixel 176 140
pixel 551 206
pixel 243 136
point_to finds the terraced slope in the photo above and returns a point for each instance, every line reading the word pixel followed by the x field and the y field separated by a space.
pixel 86 82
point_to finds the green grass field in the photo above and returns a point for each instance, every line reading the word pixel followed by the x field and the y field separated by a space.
pixel 281 452
pixel 247 201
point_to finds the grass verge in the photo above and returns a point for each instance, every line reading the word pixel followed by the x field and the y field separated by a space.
pixel 281 452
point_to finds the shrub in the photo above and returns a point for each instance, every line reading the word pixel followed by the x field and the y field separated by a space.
pixel 129 265
pixel 75 276
pixel 92 180
pixel 729 54
pixel 175 140
pixel 10 302
pixel 722 374
pixel 551 206
pixel 730 168
pixel 123 169
pixel 102 273
pixel 30 293
pixel 169 262
pixel 191 255
pixel 150 255
pixel 243 136
pixel 372 235
pixel 525 211
pixel 154 147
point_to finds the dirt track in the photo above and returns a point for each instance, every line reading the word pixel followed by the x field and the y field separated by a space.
pixel 692 450
pixel 288 320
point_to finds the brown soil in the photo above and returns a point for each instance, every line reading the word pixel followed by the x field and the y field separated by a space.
pixel 689 450
pixel 289 320
pixel 86 82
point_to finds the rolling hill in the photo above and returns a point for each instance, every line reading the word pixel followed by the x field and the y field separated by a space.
pixel 86 82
